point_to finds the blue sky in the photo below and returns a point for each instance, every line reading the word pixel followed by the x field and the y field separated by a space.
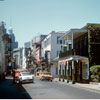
pixel 33 17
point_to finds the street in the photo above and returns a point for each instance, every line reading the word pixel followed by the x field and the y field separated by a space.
pixel 43 90
pixel 8 90
pixel 55 40
pixel 53 90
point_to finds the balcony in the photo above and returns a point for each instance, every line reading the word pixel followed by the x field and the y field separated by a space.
pixel 65 54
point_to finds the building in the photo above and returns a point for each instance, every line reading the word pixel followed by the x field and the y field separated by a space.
pixel 2 25
pixel 5 51
pixel 25 54
pixel 8 44
pixel 36 41
pixel 50 48
pixel 14 44
pixel 74 63
pixel 37 52
pixel 17 57
pixel 36 48
pixel 27 44
pixel 2 55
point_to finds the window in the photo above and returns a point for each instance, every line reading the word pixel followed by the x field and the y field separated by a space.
pixel 57 53
pixel 65 49
pixel 47 42
pixel 59 41
pixel 70 46
pixel 63 41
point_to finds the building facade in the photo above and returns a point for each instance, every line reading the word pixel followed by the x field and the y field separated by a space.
pixel 74 64
pixel 2 55
pixel 25 54
pixel 50 48
pixel 17 57
pixel 5 51
pixel 36 48
pixel 14 44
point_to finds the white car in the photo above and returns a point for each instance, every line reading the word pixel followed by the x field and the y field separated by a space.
pixel 25 77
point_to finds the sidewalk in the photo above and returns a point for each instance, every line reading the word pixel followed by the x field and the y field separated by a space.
pixel 93 87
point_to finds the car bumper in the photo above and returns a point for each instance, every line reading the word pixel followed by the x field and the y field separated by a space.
pixel 27 80
pixel 47 78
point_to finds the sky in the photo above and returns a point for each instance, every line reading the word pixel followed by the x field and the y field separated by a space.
pixel 30 18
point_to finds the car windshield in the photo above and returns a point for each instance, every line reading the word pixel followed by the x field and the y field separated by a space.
pixel 46 73
pixel 24 74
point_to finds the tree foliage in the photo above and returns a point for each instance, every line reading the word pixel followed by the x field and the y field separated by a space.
pixel 95 73
pixel 93 43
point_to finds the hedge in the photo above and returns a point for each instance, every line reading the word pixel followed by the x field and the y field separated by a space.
pixel 95 73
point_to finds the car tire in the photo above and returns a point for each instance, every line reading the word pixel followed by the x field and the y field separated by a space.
pixel 41 79
pixel 33 81
pixel 20 82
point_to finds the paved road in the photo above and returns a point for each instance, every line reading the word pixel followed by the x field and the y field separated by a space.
pixel 53 90
pixel 8 90
pixel 43 90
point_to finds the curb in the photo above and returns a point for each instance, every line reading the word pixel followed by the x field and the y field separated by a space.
pixel 77 86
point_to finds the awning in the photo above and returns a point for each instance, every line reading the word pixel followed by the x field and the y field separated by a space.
pixel 74 58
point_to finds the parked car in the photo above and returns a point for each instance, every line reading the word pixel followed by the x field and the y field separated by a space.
pixel 25 77
pixel 46 76
pixel 16 74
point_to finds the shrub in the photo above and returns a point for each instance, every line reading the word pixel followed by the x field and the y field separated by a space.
pixel 95 73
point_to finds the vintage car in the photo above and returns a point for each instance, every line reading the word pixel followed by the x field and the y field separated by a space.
pixel 25 77
pixel 16 74
pixel 46 76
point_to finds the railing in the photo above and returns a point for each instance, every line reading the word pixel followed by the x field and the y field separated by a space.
pixel 65 54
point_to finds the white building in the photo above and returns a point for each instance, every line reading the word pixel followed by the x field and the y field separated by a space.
pixel 17 55
pixel 51 45
pixel 50 48
pixel 25 54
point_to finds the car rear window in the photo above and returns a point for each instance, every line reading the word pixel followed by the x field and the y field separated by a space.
pixel 24 74
pixel 46 73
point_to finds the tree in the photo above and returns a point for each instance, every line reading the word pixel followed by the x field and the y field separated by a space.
pixel 95 73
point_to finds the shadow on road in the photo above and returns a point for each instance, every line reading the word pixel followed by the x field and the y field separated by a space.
pixel 8 90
